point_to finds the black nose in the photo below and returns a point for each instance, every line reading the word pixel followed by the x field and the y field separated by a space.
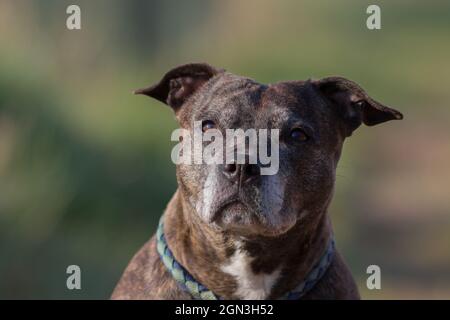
pixel 241 172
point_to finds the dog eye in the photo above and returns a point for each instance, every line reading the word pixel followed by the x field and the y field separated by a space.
pixel 298 134
pixel 208 124
pixel 360 103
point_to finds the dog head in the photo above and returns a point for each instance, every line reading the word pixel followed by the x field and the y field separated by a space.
pixel 313 118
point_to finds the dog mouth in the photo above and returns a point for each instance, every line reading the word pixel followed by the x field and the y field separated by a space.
pixel 232 204
pixel 235 215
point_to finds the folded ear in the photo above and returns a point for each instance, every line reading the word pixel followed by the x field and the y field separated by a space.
pixel 180 83
pixel 354 104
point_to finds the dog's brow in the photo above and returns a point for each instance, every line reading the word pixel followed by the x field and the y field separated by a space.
pixel 220 90
pixel 226 85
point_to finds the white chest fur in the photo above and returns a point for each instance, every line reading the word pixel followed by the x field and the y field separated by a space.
pixel 250 286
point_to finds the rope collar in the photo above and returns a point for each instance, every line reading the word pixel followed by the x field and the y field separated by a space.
pixel 200 292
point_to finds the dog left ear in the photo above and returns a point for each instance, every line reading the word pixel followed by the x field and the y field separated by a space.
pixel 354 104
pixel 180 83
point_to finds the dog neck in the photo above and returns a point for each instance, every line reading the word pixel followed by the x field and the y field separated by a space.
pixel 234 267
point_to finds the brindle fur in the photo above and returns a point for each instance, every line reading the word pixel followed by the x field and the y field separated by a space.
pixel 293 238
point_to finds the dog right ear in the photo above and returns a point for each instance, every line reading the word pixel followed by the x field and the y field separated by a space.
pixel 180 83
pixel 353 104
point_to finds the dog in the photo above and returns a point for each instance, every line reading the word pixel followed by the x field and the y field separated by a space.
pixel 231 233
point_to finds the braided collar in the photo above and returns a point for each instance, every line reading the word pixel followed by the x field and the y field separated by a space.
pixel 200 292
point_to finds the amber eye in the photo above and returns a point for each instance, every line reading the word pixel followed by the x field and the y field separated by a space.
pixel 298 134
pixel 208 124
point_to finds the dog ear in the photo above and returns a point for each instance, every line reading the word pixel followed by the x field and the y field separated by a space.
pixel 354 104
pixel 180 83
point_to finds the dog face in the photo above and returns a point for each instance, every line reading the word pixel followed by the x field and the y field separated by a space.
pixel 313 119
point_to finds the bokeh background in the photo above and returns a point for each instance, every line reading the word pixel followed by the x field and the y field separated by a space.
pixel 85 168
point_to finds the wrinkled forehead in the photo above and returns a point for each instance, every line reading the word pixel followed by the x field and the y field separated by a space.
pixel 295 101
pixel 226 99
pixel 239 102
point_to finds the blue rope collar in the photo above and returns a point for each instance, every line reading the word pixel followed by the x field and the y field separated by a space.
pixel 200 292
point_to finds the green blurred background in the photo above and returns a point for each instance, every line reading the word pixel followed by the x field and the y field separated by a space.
pixel 85 168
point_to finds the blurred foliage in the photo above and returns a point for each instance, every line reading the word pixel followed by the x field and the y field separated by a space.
pixel 85 168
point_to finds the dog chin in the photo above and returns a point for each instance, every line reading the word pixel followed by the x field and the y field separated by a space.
pixel 238 219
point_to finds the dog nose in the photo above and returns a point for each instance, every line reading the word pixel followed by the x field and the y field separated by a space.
pixel 241 172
